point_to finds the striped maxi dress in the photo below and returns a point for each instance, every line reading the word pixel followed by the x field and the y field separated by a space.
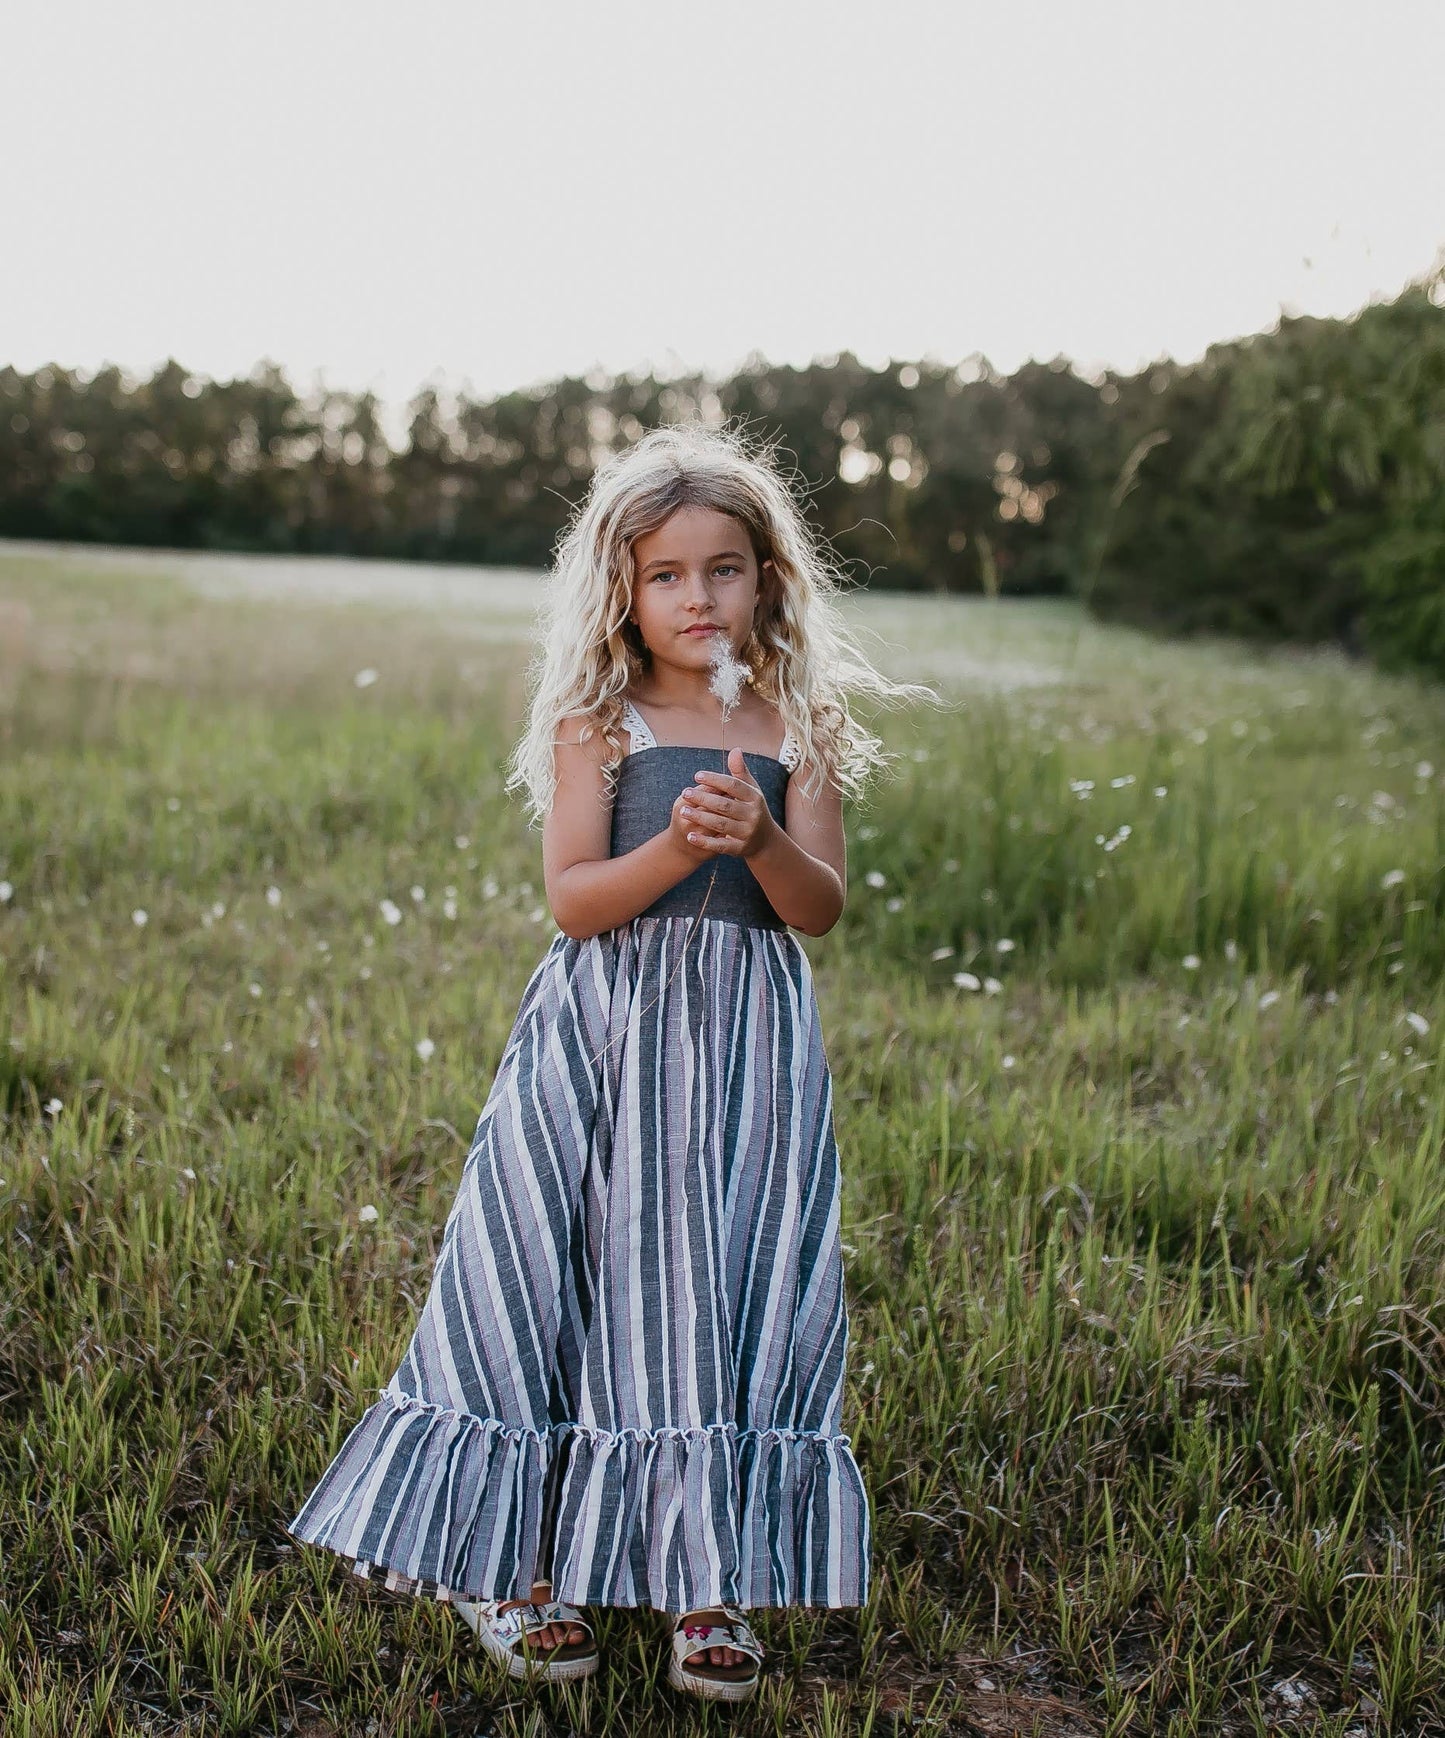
pixel 627 1376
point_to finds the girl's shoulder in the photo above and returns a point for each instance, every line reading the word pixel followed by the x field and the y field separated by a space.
pixel 570 727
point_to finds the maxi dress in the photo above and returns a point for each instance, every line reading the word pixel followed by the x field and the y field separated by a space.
pixel 627 1377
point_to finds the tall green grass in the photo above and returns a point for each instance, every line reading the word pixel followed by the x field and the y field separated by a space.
pixel 1134 1019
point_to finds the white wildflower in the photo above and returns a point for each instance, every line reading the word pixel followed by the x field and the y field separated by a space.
pixel 425 1049
pixel 218 908
pixel 1190 962
pixel 1161 790
pixel 365 678
pixel 489 888
pixel 876 878
pixel 966 981
pixel 1269 998
pixel 1004 945
pixel 1392 878
pixel 1419 1023
pixel 461 841
pixel 273 896
pixel 449 909
pixel 1424 769
pixel 941 953
pixel 1009 1061
pixel 188 1173
pixel 53 1107
pixel 173 804
pixel 418 894
pixel 1119 783
pixel 7 892
pixel 894 904
pixel 368 1214
pixel 390 912
pixel 139 918
pixel 253 989
pixel 991 986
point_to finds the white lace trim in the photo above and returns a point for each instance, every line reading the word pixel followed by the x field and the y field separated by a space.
pixel 637 728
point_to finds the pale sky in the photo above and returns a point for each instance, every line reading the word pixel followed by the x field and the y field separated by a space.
pixel 489 196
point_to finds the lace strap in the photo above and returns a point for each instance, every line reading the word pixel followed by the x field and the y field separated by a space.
pixel 636 726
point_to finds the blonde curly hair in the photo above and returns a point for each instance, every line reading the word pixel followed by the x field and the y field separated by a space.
pixel 804 659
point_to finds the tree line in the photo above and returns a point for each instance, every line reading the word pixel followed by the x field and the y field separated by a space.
pixel 1286 486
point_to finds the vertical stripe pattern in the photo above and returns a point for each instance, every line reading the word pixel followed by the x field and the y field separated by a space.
pixel 627 1375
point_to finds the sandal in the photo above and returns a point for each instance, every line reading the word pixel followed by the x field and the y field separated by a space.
pixel 506 1636
pixel 693 1635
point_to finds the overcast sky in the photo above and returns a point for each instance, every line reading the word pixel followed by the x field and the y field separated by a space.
pixel 492 195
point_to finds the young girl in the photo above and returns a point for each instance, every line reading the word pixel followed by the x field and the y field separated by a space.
pixel 625 1386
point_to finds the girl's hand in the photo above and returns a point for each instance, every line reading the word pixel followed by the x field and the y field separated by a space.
pixel 726 812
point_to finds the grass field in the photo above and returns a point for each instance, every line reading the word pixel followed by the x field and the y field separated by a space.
pixel 1134 1018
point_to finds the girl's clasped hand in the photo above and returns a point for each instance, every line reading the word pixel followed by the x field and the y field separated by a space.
pixel 723 813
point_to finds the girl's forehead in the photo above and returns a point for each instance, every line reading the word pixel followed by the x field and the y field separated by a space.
pixel 699 531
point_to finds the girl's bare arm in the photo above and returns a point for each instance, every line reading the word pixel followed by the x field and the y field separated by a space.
pixel 589 891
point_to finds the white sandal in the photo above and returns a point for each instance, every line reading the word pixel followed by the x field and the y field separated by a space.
pixel 734 1683
pixel 506 1636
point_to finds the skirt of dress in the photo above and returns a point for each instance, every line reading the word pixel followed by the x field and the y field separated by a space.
pixel 627 1376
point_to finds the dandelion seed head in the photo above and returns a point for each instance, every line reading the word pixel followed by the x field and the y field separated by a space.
pixel 728 673
pixel 390 911
pixel 273 896
pixel 368 1214
pixel 139 918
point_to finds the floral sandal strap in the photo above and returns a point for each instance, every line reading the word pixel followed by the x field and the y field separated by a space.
pixel 519 1621
pixel 689 1639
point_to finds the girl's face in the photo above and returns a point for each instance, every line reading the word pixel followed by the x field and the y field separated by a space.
pixel 697 569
